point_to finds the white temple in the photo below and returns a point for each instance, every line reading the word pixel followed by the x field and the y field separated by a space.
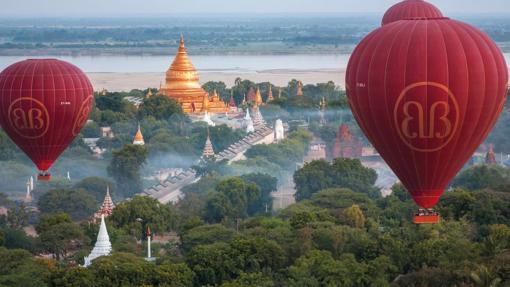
pixel 279 133
pixel 208 120
pixel 103 247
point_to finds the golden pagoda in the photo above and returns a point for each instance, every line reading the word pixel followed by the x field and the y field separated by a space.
pixel 138 140
pixel 269 94
pixel 258 98
pixel 181 84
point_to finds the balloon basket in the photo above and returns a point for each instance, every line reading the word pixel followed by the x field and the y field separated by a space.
pixel 426 216
pixel 44 177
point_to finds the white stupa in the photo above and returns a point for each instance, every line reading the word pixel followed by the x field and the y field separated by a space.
pixel 208 120
pixel 279 133
pixel 249 127
pixel 247 116
pixel 103 247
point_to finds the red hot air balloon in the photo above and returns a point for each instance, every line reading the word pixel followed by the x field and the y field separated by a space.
pixel 409 9
pixel 426 93
pixel 44 103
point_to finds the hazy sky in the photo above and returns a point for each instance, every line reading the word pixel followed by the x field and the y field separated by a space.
pixel 140 7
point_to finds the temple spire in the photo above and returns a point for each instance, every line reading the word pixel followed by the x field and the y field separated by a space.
pixel 107 206
pixel 270 94
pixel 103 247
pixel 299 91
pixel 490 158
pixel 138 140
pixel 208 152
pixel 258 97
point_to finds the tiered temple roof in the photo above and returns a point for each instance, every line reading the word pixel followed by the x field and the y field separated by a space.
pixel 107 206
pixel 345 144
pixel 182 84
pixel 208 149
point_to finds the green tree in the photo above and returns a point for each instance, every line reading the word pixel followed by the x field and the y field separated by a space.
pixel 231 200
pixel 318 268
pixel 176 275
pixel 482 176
pixel 75 202
pixel 267 184
pixel 20 268
pixel 250 280
pixel 205 234
pixel 96 186
pixel 354 216
pixel 58 234
pixel 125 169
pixel 213 264
pixel 159 107
pixel 121 269
pixel 134 215
pixel 343 172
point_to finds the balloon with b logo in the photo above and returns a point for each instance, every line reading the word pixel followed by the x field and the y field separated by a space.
pixel 44 103
pixel 426 92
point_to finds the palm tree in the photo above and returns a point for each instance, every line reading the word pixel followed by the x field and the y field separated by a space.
pixel 485 277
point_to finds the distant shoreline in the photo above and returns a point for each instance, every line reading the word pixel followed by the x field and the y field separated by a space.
pixel 245 50
pixel 117 82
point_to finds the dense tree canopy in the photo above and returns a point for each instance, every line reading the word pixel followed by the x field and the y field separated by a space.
pixel 125 168
pixel 342 172
pixel 78 203
pixel 159 107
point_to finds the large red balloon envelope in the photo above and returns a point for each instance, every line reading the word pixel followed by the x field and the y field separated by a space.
pixel 44 103
pixel 409 9
pixel 426 93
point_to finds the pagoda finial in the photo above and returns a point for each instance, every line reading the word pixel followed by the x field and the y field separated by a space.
pixel 138 140
pixel 258 97
pixel 270 94
pixel 181 44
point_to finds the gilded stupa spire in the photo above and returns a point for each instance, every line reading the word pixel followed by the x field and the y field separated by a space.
pixel 258 97
pixel 138 140
pixel 270 93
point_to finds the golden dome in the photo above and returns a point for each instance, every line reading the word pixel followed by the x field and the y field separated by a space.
pixel 182 75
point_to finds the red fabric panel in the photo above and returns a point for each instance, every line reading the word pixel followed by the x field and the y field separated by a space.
pixel 44 103
pixel 411 9
pixel 427 93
